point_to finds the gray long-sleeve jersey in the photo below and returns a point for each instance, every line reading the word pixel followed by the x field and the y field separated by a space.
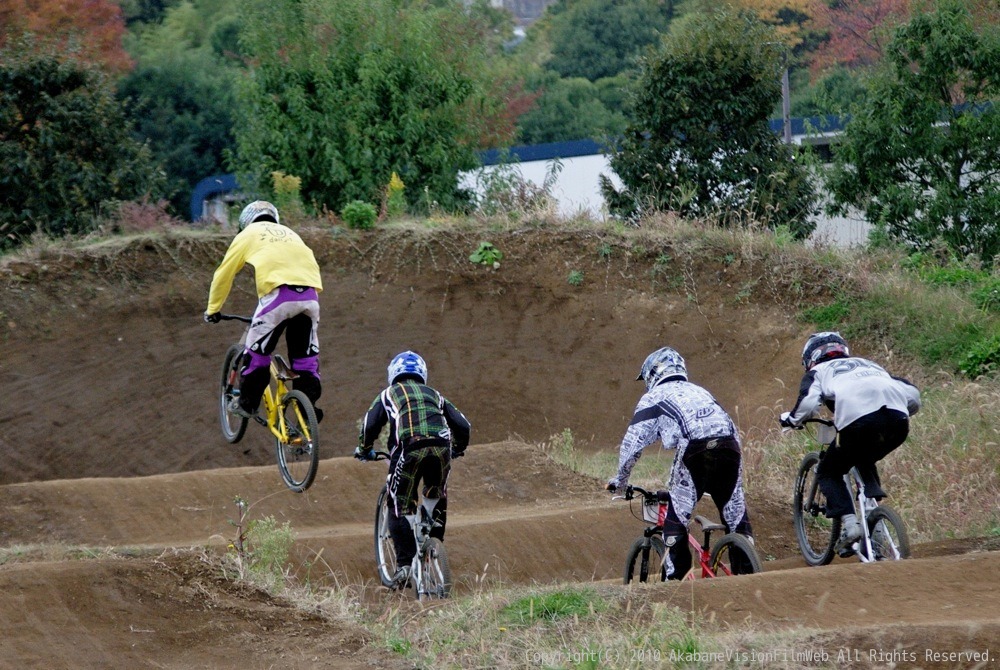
pixel 854 387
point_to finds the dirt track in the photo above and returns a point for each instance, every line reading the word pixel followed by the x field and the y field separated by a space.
pixel 109 440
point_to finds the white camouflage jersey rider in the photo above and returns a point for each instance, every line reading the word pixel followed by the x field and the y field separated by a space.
pixel 679 412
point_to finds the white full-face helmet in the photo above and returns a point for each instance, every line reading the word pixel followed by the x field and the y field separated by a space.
pixel 407 363
pixel 823 347
pixel 660 365
pixel 257 210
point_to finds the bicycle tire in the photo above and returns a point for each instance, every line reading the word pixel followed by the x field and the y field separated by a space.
pixel 233 426
pixel 815 533
pixel 735 549
pixel 640 561
pixel 298 462
pixel 435 572
pixel 385 551
pixel 887 520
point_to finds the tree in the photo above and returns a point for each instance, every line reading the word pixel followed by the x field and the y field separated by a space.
pixel 701 144
pixel 91 30
pixel 343 94
pixel 602 38
pixel 182 92
pixel 921 155
pixel 791 19
pixel 572 109
pixel 857 31
pixel 65 146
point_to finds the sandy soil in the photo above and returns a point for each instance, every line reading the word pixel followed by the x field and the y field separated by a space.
pixel 109 440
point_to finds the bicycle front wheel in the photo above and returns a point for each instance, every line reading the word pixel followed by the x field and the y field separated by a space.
pixel 815 532
pixel 890 541
pixel 233 425
pixel 298 454
pixel 435 578
pixel 385 552
pixel 736 554
pixel 645 559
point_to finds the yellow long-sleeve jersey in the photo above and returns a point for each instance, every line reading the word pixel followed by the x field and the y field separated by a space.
pixel 278 256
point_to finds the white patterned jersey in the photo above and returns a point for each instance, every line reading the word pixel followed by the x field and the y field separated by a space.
pixel 676 412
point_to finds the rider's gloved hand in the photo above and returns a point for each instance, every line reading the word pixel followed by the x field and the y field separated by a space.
pixel 215 317
pixel 364 454
pixel 613 485
pixel 457 453
pixel 786 420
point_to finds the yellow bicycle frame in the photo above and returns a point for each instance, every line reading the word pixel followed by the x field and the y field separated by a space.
pixel 273 396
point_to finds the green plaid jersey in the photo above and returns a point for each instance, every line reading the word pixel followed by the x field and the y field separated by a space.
pixel 413 411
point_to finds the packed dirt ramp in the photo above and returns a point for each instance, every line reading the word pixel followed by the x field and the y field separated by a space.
pixel 117 493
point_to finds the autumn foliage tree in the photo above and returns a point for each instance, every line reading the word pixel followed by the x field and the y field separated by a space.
pixel 857 31
pixel 921 156
pixel 792 19
pixel 89 30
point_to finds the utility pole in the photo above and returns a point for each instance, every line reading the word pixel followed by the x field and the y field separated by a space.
pixel 786 104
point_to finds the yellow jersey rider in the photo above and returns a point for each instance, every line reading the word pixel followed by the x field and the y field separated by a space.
pixel 288 285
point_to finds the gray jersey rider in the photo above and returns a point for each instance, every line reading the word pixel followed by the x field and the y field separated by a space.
pixel 871 411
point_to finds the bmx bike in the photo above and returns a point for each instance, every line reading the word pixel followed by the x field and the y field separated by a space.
pixel 430 574
pixel 883 535
pixel 287 414
pixel 714 560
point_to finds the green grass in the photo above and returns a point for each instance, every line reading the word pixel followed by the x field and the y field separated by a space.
pixel 650 471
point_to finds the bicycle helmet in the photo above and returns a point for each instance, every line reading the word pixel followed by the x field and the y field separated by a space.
pixel 661 365
pixel 256 211
pixel 407 363
pixel 822 347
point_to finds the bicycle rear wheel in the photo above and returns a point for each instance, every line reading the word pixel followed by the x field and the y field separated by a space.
pixel 815 532
pixel 644 561
pixel 298 458
pixel 385 551
pixel 233 425
pixel 737 554
pixel 890 541
pixel 435 578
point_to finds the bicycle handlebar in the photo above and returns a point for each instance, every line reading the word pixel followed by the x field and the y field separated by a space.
pixel 235 317
pixel 631 490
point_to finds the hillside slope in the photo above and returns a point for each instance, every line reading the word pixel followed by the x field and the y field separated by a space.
pixel 110 440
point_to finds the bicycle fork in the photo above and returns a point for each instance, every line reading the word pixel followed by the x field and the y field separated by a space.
pixel 864 505
pixel 421 523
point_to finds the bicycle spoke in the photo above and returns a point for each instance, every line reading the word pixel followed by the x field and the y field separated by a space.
pixel 298 449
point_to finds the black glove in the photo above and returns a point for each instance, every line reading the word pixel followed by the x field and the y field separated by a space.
pixel 786 420
pixel 458 453
pixel 215 317
pixel 364 454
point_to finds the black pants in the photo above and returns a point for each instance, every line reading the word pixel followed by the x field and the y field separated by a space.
pixel 410 468
pixel 716 472
pixel 861 444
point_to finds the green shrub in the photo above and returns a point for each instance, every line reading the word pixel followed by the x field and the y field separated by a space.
pixel 359 215
pixel 982 358
pixel 486 254
pixel 575 278
pixel 986 296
